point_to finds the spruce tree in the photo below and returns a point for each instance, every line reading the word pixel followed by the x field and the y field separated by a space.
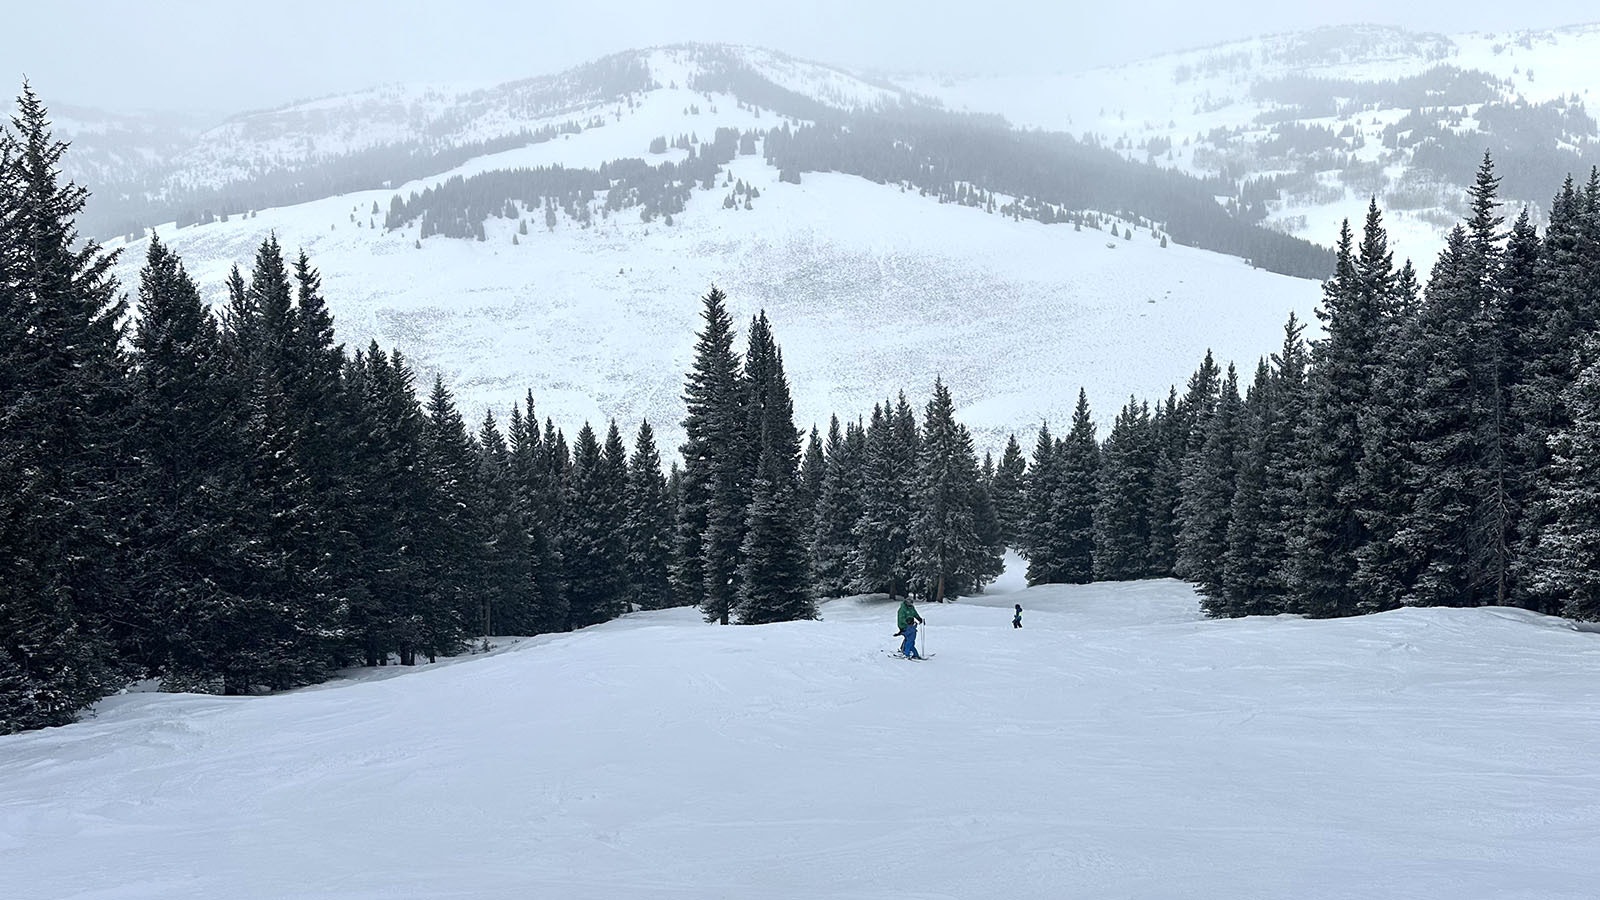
pixel 773 585
pixel 949 557
pixel 1563 563
pixel 1077 461
pixel 838 508
pixel 1122 511
pixel 596 552
pixel 1209 478
pixel 1007 491
pixel 1038 528
pixel 184 448
pixel 649 525
pixel 716 468
pixel 883 530
pixel 1340 387
pixel 63 403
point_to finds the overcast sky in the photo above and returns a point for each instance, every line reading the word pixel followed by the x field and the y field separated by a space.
pixel 223 56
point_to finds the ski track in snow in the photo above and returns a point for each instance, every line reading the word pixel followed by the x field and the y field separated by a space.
pixel 1117 746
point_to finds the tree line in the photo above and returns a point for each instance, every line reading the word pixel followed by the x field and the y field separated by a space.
pixel 1438 446
pixel 232 502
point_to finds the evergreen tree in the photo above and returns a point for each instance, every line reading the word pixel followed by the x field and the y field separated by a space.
pixel 649 525
pixel 1122 511
pixel 183 446
pixel 1340 388
pixel 838 508
pixel 1267 502
pixel 62 401
pixel 451 464
pixel 1006 489
pixel 509 577
pixel 808 492
pixel 1209 478
pixel 1563 563
pixel 716 468
pixel 883 530
pixel 773 582
pixel 596 552
pixel 1038 524
pixel 1077 461
pixel 949 557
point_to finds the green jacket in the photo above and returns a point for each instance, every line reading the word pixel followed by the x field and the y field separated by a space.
pixel 907 615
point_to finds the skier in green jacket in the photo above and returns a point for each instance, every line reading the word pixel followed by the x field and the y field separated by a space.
pixel 908 620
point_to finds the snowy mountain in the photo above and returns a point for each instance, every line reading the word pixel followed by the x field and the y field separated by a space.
pixel 1308 125
pixel 1116 746
pixel 585 291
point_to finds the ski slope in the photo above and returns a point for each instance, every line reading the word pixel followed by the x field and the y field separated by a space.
pixel 1118 746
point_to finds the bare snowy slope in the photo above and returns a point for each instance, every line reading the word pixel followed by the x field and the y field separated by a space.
pixel 1336 115
pixel 870 289
pixel 1116 746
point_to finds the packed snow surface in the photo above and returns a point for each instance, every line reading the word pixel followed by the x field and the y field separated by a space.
pixel 1118 746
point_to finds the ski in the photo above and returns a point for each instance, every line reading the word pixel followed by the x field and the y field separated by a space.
pixel 898 655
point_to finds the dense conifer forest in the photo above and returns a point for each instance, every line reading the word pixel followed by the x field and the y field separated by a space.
pixel 234 502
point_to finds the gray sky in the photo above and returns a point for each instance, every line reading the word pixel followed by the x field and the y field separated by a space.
pixel 225 56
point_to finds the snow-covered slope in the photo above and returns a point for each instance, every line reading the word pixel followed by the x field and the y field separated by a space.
pixel 870 290
pixel 1215 110
pixel 1116 746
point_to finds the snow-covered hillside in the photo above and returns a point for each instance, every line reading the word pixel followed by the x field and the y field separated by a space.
pixel 1219 110
pixel 870 290
pixel 1116 746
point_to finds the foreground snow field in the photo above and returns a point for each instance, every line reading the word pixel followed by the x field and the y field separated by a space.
pixel 1118 746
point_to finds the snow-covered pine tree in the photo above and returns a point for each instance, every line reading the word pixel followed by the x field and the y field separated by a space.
pixel 1266 503
pixel 1209 479
pixel 809 489
pixel 595 550
pixel 716 468
pixel 883 530
pixel 649 525
pixel 949 557
pixel 1563 563
pixel 1077 461
pixel 508 572
pixel 1564 308
pixel 61 401
pixel 1122 511
pixel 1038 524
pixel 774 585
pixel 1006 490
pixel 838 509
pixel 183 446
pixel 1340 388
pixel 451 464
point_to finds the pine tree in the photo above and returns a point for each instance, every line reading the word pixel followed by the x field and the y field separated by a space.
pixel 1562 564
pixel 883 530
pixel 949 557
pixel 183 559
pixel 716 468
pixel 1007 492
pixel 451 464
pixel 1077 461
pixel 809 489
pixel 1038 524
pixel 596 550
pixel 1122 511
pixel 1340 387
pixel 508 571
pixel 1209 479
pixel 62 402
pixel 773 582
pixel 649 525
pixel 838 508
pixel 1267 502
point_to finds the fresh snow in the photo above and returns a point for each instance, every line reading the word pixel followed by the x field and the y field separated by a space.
pixel 1117 746
pixel 870 290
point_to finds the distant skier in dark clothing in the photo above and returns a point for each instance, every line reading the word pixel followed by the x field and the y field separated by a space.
pixel 908 620
pixel 1016 620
